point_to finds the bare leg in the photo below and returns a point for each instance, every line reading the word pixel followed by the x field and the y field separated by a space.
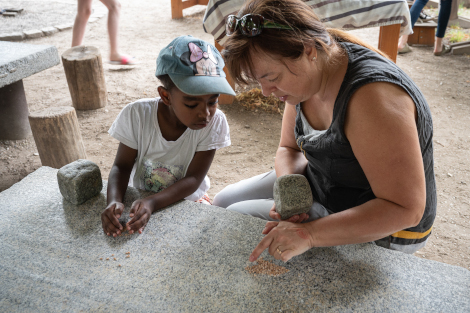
pixel 437 44
pixel 79 27
pixel 402 41
pixel 114 8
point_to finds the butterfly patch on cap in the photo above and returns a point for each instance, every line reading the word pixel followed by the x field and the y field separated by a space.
pixel 203 63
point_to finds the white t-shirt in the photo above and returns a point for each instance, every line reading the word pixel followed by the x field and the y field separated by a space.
pixel 161 163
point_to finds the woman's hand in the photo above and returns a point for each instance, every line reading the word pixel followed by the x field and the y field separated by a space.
pixel 293 219
pixel 109 219
pixel 141 211
pixel 284 240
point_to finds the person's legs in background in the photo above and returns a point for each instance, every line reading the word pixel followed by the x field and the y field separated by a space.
pixel 84 10
pixel 442 21
pixel 415 10
pixel 114 8
pixel 79 27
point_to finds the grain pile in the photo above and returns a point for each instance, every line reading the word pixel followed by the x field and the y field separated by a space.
pixel 266 268
pixel 254 100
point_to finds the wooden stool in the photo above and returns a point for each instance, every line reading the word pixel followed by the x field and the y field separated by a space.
pixel 57 136
pixel 85 77
pixel 177 6
pixel 423 34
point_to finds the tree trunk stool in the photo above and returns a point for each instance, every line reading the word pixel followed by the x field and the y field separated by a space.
pixel 57 136
pixel 423 34
pixel 177 6
pixel 85 76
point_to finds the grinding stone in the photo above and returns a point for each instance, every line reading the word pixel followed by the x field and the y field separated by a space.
pixel 79 181
pixel 292 195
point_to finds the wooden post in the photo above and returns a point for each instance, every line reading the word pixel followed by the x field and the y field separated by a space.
pixel 388 40
pixel 85 77
pixel 57 136
pixel 226 99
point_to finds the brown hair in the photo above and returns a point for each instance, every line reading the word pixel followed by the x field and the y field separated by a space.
pixel 307 31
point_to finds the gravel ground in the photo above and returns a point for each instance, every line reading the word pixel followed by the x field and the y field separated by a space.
pixel 37 15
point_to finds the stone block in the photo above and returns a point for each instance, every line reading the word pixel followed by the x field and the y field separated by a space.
pixel 17 36
pixel 49 31
pixel 292 195
pixel 26 59
pixel 463 49
pixel 33 33
pixel 64 27
pixel 79 181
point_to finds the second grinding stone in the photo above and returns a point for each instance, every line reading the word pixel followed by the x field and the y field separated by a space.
pixel 79 181
pixel 292 195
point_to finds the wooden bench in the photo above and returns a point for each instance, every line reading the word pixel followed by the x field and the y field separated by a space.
pixel 423 34
pixel 177 6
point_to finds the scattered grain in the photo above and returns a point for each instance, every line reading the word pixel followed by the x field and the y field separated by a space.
pixel 128 256
pixel 115 259
pixel 101 258
pixel 119 265
pixel 107 259
pixel 266 268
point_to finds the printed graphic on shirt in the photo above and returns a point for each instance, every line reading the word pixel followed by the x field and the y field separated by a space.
pixel 157 176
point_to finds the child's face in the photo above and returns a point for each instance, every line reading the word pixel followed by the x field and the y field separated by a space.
pixel 194 112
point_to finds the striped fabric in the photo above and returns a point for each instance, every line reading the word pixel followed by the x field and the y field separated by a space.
pixel 344 14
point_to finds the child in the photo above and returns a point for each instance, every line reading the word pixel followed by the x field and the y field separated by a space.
pixel 167 144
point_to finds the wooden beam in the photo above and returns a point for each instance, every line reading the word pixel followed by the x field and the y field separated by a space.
pixel 388 40
pixel 226 99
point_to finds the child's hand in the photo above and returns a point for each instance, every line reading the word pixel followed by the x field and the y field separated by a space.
pixel 141 211
pixel 109 219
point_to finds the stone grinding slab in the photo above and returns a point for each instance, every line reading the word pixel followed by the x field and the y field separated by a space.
pixel 20 60
pixel 192 258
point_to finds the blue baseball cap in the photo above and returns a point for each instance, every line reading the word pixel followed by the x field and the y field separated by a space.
pixel 194 66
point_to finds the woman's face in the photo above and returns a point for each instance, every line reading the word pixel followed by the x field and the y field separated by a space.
pixel 292 81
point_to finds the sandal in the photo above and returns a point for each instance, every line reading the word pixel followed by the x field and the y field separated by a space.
pixel 406 48
pixel 125 61
pixel 445 49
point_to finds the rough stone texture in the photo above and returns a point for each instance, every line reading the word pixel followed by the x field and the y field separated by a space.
pixel 292 195
pixel 79 181
pixel 20 60
pixel 16 36
pixel 49 31
pixel 192 258
pixel 462 49
pixel 63 27
pixel 33 33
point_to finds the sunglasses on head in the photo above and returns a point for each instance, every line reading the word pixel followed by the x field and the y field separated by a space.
pixel 250 25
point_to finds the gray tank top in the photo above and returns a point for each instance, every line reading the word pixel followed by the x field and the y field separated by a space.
pixel 335 176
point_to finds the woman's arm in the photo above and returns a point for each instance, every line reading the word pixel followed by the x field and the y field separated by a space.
pixel 289 158
pixel 142 209
pixel 381 127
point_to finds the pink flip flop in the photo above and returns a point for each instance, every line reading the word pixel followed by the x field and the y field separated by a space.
pixel 125 61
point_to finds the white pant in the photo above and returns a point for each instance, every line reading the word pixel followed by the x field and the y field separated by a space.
pixel 254 196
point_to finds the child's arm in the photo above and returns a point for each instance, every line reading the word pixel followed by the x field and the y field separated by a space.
pixel 117 185
pixel 142 209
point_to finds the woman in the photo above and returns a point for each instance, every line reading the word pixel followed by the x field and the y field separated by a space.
pixel 354 124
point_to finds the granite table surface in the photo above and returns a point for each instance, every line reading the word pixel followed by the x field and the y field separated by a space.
pixel 191 258
pixel 21 60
